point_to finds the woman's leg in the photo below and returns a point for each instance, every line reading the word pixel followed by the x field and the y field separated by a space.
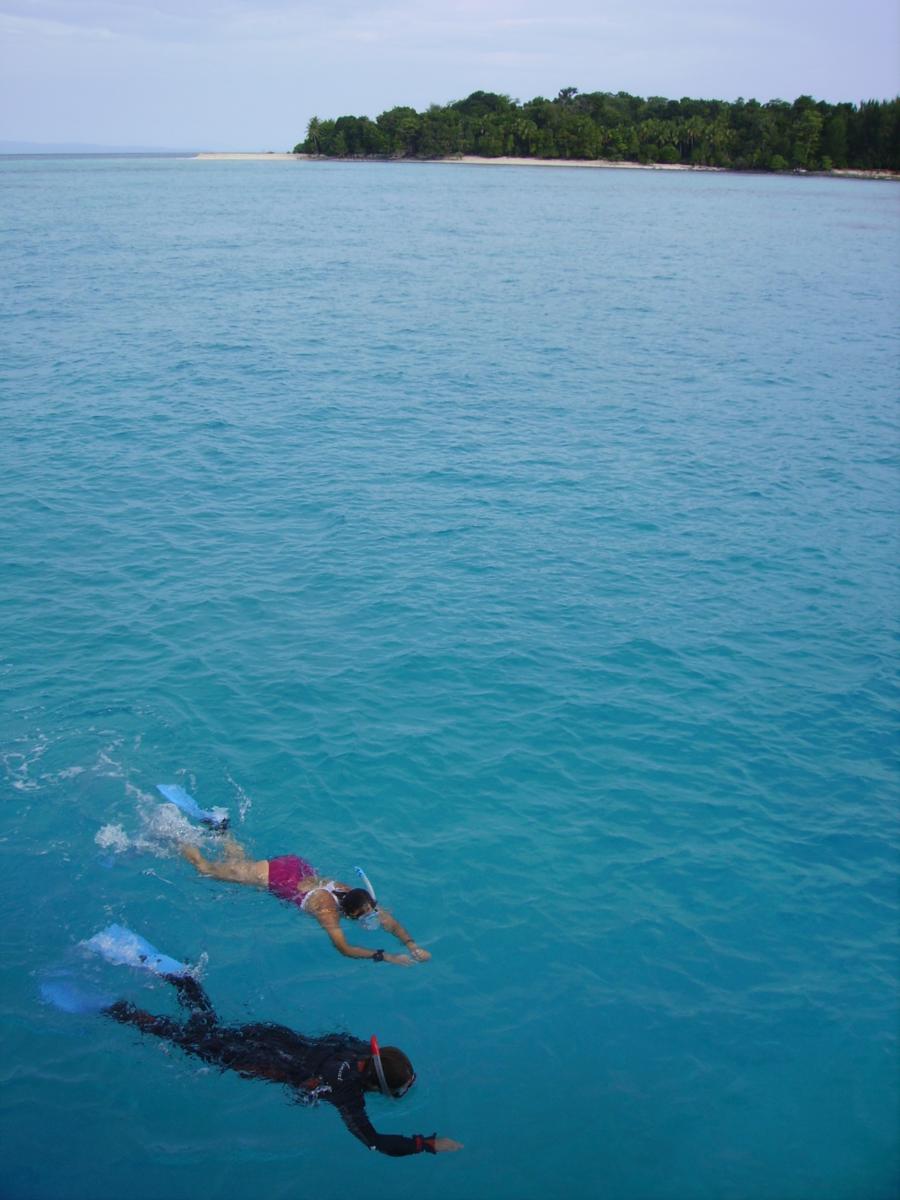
pixel 233 850
pixel 231 869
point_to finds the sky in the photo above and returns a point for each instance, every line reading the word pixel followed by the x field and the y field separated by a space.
pixel 248 74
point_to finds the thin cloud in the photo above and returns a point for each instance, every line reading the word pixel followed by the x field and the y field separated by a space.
pixel 239 73
pixel 12 25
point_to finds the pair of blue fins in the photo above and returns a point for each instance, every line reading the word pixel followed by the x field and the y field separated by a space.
pixel 122 947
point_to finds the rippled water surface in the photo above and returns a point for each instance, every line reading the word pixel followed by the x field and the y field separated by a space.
pixel 527 536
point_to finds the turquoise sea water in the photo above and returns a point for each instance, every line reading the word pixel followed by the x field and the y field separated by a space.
pixel 527 536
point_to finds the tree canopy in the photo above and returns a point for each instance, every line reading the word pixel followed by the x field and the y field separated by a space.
pixel 743 135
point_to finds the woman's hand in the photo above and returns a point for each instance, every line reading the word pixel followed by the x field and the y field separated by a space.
pixel 399 960
pixel 418 953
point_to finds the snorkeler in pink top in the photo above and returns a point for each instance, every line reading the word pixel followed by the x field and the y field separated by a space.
pixel 292 879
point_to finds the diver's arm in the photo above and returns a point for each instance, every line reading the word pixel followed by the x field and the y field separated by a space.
pixel 397 1145
pixel 392 925
pixel 329 921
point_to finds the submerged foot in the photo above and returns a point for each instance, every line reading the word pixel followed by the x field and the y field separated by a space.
pixel 234 852
pixel 194 857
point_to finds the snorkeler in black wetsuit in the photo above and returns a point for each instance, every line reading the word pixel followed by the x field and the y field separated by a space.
pixel 337 1069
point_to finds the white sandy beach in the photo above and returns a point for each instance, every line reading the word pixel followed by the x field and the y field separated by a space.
pixel 471 160
pixel 467 160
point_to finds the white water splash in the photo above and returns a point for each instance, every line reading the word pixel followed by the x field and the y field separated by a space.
pixel 112 837
pixel 162 832
pixel 244 801
pixel 168 828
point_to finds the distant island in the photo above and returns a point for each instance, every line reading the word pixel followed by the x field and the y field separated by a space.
pixel 744 135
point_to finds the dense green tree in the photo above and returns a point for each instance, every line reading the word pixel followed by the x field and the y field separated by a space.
pixel 834 135
pixel 775 136
pixel 440 133
pixel 402 128
pixel 806 129
pixel 313 143
pixel 482 104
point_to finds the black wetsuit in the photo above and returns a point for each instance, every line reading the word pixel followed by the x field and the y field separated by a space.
pixel 316 1069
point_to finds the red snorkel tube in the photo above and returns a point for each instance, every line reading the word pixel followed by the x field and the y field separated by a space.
pixel 379 1069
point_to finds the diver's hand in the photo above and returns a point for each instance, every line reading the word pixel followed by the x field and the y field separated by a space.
pixel 418 953
pixel 444 1144
pixel 399 960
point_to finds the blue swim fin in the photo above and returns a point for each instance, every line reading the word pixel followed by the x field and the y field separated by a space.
pixel 123 948
pixel 74 999
pixel 216 818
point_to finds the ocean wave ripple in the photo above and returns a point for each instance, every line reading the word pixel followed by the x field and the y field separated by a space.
pixel 547 568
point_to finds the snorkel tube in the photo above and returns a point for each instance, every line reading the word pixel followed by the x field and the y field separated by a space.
pixel 376 1059
pixel 395 1093
pixel 370 920
pixel 366 883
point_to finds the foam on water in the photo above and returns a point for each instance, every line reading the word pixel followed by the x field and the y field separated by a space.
pixel 528 537
pixel 113 837
pixel 161 830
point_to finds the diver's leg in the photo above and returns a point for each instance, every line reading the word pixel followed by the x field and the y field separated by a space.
pixel 242 870
pixel 127 1014
pixel 192 995
pixel 198 1035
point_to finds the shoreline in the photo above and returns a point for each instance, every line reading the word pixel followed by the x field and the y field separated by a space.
pixel 471 160
pixel 248 155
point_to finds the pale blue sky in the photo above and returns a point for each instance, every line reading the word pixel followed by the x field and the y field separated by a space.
pixel 248 74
